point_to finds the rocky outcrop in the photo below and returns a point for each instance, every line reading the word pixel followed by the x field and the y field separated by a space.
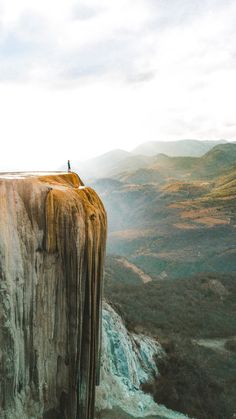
pixel 128 360
pixel 52 240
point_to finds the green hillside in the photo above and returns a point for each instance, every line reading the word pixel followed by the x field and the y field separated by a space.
pixel 175 226
pixel 163 168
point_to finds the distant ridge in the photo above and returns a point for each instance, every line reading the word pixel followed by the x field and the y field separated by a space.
pixel 191 148
pixel 215 162
pixel 117 161
pixel 98 167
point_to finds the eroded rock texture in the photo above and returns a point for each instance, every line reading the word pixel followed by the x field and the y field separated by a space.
pixel 128 360
pixel 52 240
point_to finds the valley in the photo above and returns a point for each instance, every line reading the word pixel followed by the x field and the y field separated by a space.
pixel 174 229
pixel 175 221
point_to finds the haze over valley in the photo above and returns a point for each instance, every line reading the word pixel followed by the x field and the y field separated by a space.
pixel 171 263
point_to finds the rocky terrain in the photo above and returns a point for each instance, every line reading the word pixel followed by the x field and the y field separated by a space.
pixel 128 362
pixel 52 241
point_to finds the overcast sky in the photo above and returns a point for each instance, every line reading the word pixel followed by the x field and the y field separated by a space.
pixel 79 78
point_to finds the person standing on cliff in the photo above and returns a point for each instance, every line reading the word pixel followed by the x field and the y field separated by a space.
pixel 68 165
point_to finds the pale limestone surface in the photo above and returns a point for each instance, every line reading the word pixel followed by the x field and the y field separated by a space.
pixel 128 360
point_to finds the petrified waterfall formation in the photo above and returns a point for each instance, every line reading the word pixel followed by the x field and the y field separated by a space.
pixel 52 240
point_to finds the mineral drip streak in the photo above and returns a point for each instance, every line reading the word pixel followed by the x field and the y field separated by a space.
pixel 52 243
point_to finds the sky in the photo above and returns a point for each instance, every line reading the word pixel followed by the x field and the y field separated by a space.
pixel 79 78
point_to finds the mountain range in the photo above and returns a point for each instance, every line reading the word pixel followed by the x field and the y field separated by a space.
pixel 115 161
pixel 175 216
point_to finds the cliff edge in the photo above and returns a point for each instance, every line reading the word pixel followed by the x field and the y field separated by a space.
pixel 52 242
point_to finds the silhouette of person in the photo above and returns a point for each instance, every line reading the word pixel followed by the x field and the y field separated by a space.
pixel 68 165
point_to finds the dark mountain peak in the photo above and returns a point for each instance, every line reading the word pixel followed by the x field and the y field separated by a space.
pixel 222 151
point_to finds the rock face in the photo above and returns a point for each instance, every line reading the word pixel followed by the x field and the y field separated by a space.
pixel 52 241
pixel 128 360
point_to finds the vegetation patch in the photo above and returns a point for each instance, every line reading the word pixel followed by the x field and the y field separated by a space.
pixel 198 380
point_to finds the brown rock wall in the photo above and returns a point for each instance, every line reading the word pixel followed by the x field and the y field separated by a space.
pixel 52 242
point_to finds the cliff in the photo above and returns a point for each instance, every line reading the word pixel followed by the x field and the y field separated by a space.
pixel 52 241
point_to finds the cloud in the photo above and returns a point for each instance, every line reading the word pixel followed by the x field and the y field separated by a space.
pixel 69 41
pixel 141 77
pixel 104 74
pixel 101 41
pixel 84 12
